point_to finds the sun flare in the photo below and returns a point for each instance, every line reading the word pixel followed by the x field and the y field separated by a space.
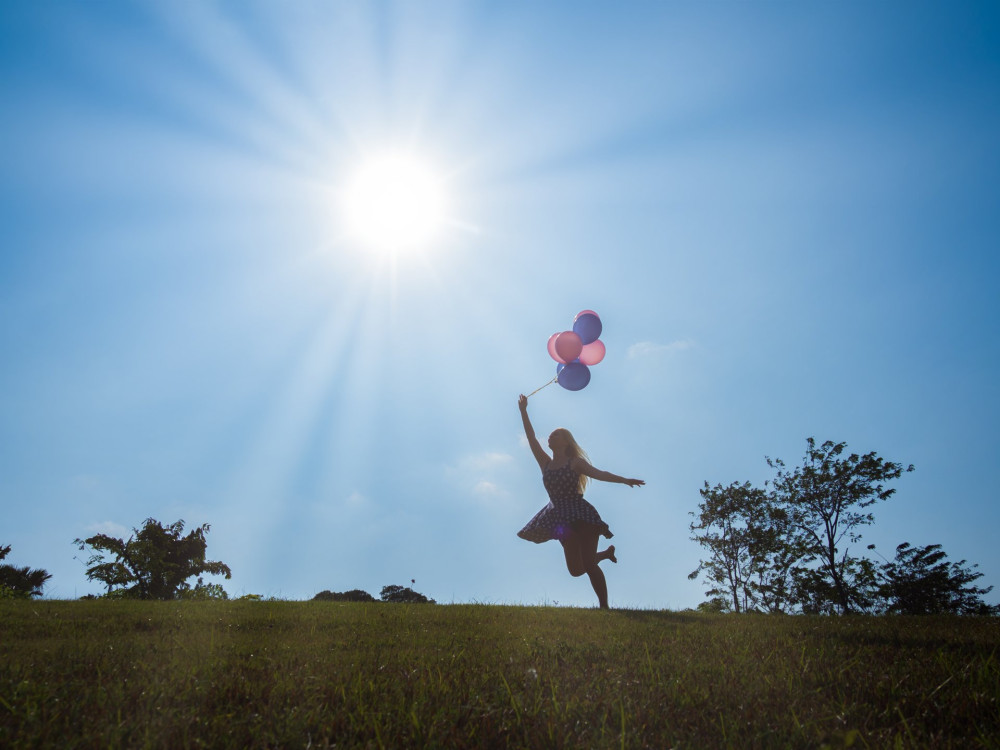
pixel 395 202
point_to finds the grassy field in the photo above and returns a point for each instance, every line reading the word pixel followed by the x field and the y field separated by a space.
pixel 309 674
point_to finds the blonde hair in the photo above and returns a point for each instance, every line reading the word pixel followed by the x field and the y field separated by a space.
pixel 575 451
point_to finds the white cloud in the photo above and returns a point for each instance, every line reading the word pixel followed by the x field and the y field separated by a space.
pixel 486 488
pixel 488 462
pixel 651 348
pixel 481 473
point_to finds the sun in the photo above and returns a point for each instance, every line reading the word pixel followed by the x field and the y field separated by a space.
pixel 395 202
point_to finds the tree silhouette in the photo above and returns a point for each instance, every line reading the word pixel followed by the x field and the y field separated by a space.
pixel 399 594
pixel 920 582
pixel 827 499
pixel 750 550
pixel 154 563
pixel 21 582
pixel 788 548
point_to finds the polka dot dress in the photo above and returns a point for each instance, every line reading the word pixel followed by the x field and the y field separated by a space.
pixel 565 511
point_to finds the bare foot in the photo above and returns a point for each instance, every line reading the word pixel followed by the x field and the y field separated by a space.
pixel 609 554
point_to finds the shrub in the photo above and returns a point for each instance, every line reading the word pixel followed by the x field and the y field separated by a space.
pixel 354 595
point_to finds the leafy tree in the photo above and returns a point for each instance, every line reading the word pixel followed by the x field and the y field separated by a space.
pixel 354 595
pixel 751 548
pixel 154 563
pixel 827 500
pixel 398 594
pixel 920 581
pixel 20 583
pixel 726 526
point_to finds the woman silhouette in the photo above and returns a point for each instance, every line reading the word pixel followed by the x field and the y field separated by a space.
pixel 568 517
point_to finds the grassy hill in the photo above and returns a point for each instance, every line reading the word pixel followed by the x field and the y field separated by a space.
pixel 315 674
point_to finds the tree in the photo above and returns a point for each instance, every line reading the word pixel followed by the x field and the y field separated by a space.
pixel 154 563
pixel 398 594
pixel 921 582
pixel 20 583
pixel 751 548
pixel 727 527
pixel 827 500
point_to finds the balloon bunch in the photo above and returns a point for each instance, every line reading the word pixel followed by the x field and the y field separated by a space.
pixel 576 351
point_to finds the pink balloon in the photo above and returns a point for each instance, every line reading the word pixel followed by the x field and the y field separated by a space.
pixel 568 346
pixel 552 348
pixel 587 312
pixel 593 353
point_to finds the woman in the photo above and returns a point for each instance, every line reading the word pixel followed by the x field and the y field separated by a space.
pixel 568 517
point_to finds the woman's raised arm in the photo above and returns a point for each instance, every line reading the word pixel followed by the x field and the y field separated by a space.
pixel 529 432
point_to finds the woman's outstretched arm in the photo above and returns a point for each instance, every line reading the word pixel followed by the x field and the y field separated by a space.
pixel 529 432
pixel 581 466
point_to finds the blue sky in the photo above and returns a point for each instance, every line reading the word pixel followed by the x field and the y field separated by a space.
pixel 786 215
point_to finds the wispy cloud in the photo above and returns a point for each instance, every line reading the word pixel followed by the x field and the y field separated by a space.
pixel 652 348
pixel 481 473
pixel 485 488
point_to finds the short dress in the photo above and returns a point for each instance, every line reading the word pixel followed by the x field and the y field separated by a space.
pixel 566 509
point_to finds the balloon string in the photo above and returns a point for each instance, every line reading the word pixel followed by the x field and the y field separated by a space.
pixel 544 386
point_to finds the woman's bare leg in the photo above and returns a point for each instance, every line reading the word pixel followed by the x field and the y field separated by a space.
pixel 581 557
pixel 608 554
pixel 600 584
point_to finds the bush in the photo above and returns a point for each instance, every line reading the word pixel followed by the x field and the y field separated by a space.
pixel 203 591
pixel 9 593
pixel 354 595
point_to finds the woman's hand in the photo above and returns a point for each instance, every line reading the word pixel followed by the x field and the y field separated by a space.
pixel 583 467
pixel 522 402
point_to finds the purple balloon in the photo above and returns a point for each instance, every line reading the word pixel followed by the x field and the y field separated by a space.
pixel 574 376
pixel 562 365
pixel 588 327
